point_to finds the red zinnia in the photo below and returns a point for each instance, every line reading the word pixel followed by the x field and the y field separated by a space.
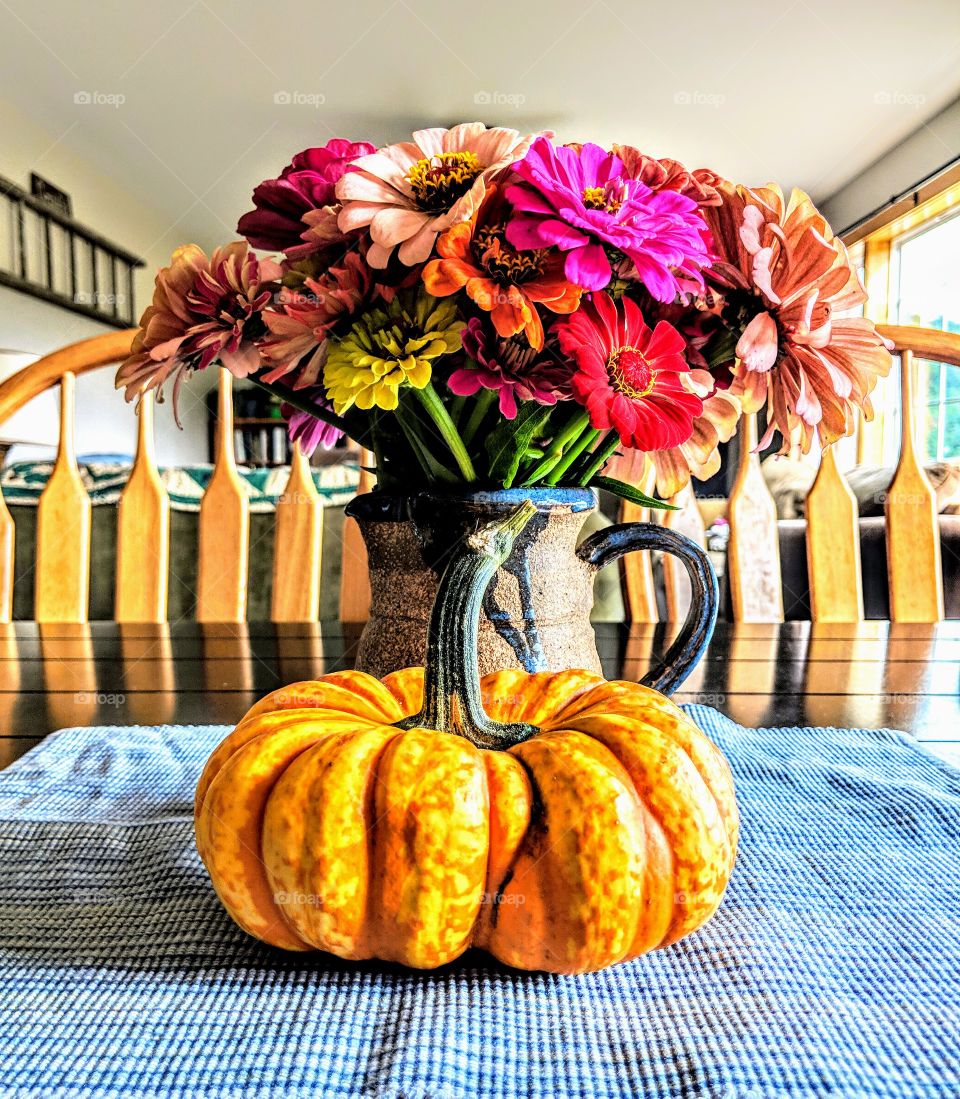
pixel 629 377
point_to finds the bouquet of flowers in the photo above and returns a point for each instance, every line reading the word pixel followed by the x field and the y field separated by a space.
pixel 482 309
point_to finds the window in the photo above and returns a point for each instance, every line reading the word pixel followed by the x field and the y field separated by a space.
pixel 908 267
pixel 927 281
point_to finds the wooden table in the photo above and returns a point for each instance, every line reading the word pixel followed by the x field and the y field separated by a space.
pixel 870 675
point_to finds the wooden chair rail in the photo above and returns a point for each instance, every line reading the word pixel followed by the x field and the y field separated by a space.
pixel 143 524
pixel 143 518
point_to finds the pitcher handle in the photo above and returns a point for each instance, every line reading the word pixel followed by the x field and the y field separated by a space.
pixel 611 544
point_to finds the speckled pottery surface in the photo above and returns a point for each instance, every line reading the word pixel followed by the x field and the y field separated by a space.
pixel 537 607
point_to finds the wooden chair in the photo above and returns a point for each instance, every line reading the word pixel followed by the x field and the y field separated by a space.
pixel 832 535
pixel 143 542
pixel 143 522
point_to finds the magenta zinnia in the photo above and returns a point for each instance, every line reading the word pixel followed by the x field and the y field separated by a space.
pixel 628 377
pixel 305 428
pixel 204 310
pixel 582 202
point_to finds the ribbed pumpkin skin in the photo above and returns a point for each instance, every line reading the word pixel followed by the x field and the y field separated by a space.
pixel 610 833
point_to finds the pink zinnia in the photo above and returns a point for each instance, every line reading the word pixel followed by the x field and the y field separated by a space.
pixel 303 320
pixel 411 192
pixel 204 310
pixel 628 377
pixel 789 281
pixel 509 367
pixel 306 184
pixel 583 202
pixel 309 431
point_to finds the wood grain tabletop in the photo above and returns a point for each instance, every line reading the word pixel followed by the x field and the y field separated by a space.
pixel 867 675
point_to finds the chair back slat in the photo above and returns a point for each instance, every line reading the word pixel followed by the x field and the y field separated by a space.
pixel 224 539
pixel 63 528
pixel 833 546
pixel 143 532
pixel 688 520
pixel 7 560
pixel 913 533
pixel 638 585
pixel 355 580
pixel 753 556
pixel 297 547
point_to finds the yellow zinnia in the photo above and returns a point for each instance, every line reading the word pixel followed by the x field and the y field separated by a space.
pixel 390 347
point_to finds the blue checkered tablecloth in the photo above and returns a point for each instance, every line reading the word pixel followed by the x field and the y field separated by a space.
pixel 831 968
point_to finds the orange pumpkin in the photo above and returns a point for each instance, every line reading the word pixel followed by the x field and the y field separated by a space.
pixel 573 823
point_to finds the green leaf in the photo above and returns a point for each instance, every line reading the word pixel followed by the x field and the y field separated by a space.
pixel 507 443
pixel 628 492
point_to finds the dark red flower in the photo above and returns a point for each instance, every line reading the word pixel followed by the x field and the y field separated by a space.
pixel 307 183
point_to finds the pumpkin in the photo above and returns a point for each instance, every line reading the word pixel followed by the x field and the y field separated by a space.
pixel 559 821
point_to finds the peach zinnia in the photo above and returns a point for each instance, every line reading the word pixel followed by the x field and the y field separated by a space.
pixel 411 192
pixel 475 256
pixel 786 281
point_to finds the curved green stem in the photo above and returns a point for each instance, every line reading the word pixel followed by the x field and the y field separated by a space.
pixel 485 398
pixel 571 455
pixel 603 453
pixel 431 402
pixel 451 689
pixel 575 427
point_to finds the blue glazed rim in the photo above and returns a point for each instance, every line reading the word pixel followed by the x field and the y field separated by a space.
pixel 388 508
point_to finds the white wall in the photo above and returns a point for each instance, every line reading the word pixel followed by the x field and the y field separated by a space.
pixel 928 148
pixel 105 423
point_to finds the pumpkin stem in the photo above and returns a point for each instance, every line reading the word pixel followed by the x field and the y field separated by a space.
pixel 451 687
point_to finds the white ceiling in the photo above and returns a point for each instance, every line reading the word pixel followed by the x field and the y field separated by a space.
pixel 807 93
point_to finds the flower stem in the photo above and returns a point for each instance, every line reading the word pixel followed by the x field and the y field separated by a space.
pixel 484 399
pixel 435 408
pixel 570 456
pixel 434 470
pixel 456 408
pixel 555 451
pixel 601 455
pixel 291 397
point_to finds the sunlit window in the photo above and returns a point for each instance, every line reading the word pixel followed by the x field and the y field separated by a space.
pixel 926 275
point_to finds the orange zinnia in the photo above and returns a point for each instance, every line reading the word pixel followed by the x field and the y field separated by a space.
pixel 475 256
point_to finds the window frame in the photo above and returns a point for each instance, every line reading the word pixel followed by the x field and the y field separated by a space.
pixel 878 241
